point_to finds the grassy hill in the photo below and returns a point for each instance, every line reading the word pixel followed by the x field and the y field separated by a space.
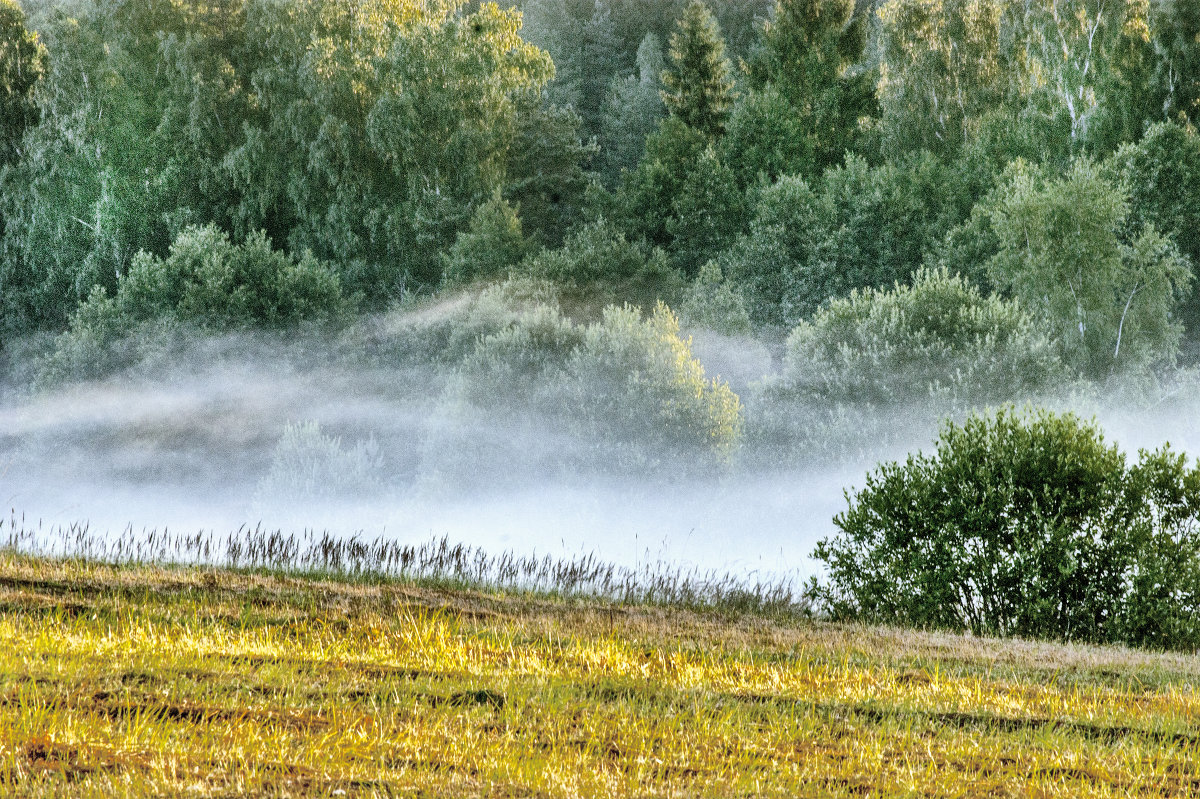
pixel 138 681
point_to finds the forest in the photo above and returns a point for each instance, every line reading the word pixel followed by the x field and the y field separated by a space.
pixel 643 238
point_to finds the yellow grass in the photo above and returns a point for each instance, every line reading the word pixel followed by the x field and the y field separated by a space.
pixel 139 681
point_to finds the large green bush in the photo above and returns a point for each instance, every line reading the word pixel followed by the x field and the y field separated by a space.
pixel 938 338
pixel 620 396
pixel 857 227
pixel 205 282
pixel 883 364
pixel 1026 524
pixel 598 266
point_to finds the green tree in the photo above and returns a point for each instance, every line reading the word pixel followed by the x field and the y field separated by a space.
pixel 1176 30
pixel 1023 524
pixel 379 125
pixel 810 53
pixel 859 227
pixel 205 281
pixel 22 64
pixel 708 214
pixel 944 65
pixel 765 139
pixel 598 266
pixel 698 82
pixel 88 193
pixel 632 112
pixel 582 39
pixel 1074 76
pixel 938 339
pixel 490 245
pixel 645 197
pixel 1158 174
pixel 1111 302
pixel 548 169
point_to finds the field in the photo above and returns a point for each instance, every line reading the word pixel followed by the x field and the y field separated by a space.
pixel 139 680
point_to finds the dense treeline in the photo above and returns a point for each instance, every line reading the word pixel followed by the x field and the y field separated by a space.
pixel 954 202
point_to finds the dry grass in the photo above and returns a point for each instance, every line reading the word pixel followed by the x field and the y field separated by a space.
pixel 140 681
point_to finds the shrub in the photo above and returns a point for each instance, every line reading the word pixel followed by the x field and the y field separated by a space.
pixel 307 464
pixel 211 280
pixel 1027 524
pixel 444 332
pixel 938 338
pixel 881 365
pixel 598 266
pixel 620 396
pixel 206 282
pixel 492 244
pixel 713 303
pixel 641 396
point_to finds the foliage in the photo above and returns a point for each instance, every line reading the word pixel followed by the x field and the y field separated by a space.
pixel 662 403
pixel 698 81
pixel 644 198
pixel 633 109
pixel 883 365
pixel 1075 76
pixel 1028 525
pixel 810 54
pixel 622 395
pixel 764 139
pixel 490 245
pixel 205 280
pixel 1111 303
pixel 309 465
pixel 712 302
pixel 859 227
pixel 22 64
pixel 935 340
pixel 597 266
pixel 1176 27
pixel 1157 173
pixel 583 41
pixel 548 172
pixel 378 128
pixel 442 332
pixel 708 213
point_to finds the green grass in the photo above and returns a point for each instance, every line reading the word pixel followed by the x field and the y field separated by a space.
pixel 140 680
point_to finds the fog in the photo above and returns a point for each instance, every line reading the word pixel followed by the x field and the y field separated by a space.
pixel 197 446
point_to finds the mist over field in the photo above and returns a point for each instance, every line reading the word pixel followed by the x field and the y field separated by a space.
pixel 193 449
pixel 200 442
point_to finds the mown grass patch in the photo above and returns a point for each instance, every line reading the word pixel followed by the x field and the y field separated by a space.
pixel 141 680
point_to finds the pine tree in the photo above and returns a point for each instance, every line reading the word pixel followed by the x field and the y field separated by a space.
pixel 698 83
pixel 633 109
pixel 808 51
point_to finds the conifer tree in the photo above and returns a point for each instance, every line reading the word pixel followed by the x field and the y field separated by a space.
pixel 698 82
pixel 808 51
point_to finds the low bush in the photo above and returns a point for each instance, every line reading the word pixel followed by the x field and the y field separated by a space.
pixel 711 302
pixel 883 364
pixel 308 465
pixel 443 332
pixel 206 282
pixel 620 396
pixel 1025 524
pixel 937 338
pixel 597 266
